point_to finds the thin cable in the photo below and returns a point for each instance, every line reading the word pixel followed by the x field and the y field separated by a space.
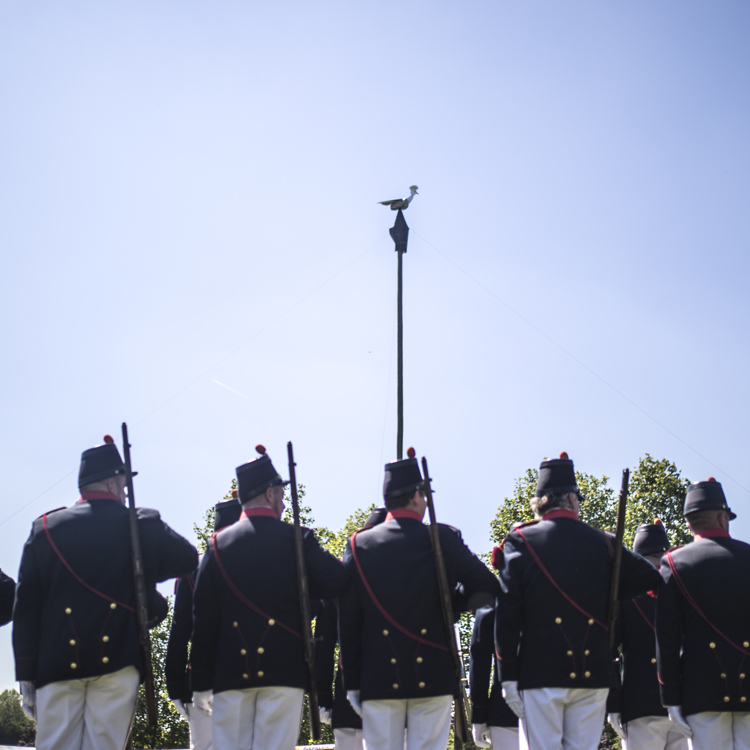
pixel 215 364
pixel 582 364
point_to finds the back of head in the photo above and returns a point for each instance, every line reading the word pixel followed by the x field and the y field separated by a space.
pixel 402 480
pixel 557 480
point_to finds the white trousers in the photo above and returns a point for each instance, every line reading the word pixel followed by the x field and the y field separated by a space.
pixel 563 718
pixel 348 739
pixel 720 730
pixel 504 738
pixel 200 729
pixel 654 733
pixel 384 723
pixel 94 713
pixel 257 718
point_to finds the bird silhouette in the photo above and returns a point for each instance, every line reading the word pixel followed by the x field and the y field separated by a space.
pixel 401 203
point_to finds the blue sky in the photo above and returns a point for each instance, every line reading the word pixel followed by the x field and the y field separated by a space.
pixel 192 243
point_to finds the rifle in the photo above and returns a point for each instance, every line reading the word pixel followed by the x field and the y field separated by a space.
pixel 141 604
pixel 614 602
pixel 304 602
pixel 446 605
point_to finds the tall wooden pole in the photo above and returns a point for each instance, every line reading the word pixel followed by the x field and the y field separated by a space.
pixel 400 406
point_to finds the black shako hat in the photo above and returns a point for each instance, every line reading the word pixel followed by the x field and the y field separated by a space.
pixel 100 463
pixel 555 476
pixel 402 477
pixel 651 539
pixel 228 512
pixel 706 495
pixel 255 477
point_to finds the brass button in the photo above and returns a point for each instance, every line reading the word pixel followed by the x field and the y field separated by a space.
pixel 746 644
pixel 591 622
pixel 587 674
pixel 72 642
pixel 243 652
pixel 742 675
pixel 395 686
pixel 726 699
pixel 261 650
pixel 723 676
pixel 235 624
pixel 419 660
pixel 572 675
pixel 586 652
pixel 105 638
pixel 73 665
pixel 385 632
pixel 421 684
pixel 570 653
pixel 113 606
pixel 272 621
pixel 424 631
pixel 653 660
pixel 743 699
pixel 260 674
pixel 246 676
pixel 105 660
pixel 393 661
pixel 712 645
pixel 558 620
pixel 68 611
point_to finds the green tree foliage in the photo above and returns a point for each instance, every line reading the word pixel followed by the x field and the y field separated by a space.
pixel 173 730
pixel 15 727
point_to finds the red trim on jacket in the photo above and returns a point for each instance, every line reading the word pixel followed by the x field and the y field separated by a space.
pixel 711 533
pixel 403 513
pixel 97 495
pixel 264 511
pixel 560 513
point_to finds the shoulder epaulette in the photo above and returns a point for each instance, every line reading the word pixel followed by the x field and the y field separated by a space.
pixel 49 512
pixel 524 525
pixel 497 553
pixel 148 513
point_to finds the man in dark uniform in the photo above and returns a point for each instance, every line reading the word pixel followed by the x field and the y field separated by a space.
pixel 636 710
pixel 247 659
pixel 493 722
pixel 394 649
pixel 176 672
pixel 703 626
pixel 551 629
pixel 7 595
pixel 335 709
pixel 75 632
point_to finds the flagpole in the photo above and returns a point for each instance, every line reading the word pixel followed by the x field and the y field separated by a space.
pixel 400 407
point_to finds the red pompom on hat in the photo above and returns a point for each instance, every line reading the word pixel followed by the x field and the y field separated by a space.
pixel 657 522
pixel 711 479
pixel 261 449
pixel 497 556
pixel 410 452
pixel 564 455
pixel 108 439
pixel 235 494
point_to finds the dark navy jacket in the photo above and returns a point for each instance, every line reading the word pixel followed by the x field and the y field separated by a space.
pixel 7 595
pixel 639 695
pixel 331 691
pixel 62 629
pixel 246 612
pixel 396 559
pixel 492 710
pixel 542 637
pixel 698 666
pixel 176 672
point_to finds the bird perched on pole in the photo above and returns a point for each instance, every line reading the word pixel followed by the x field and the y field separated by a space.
pixel 401 203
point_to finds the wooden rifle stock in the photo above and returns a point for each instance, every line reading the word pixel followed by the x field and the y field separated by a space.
pixel 446 605
pixel 614 602
pixel 139 576
pixel 304 601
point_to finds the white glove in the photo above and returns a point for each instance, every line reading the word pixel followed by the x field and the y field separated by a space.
pixel 203 702
pixel 353 697
pixel 676 717
pixel 325 715
pixel 513 698
pixel 481 735
pixel 28 692
pixel 615 721
pixel 180 706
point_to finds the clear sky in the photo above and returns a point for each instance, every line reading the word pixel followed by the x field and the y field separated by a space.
pixel 191 243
